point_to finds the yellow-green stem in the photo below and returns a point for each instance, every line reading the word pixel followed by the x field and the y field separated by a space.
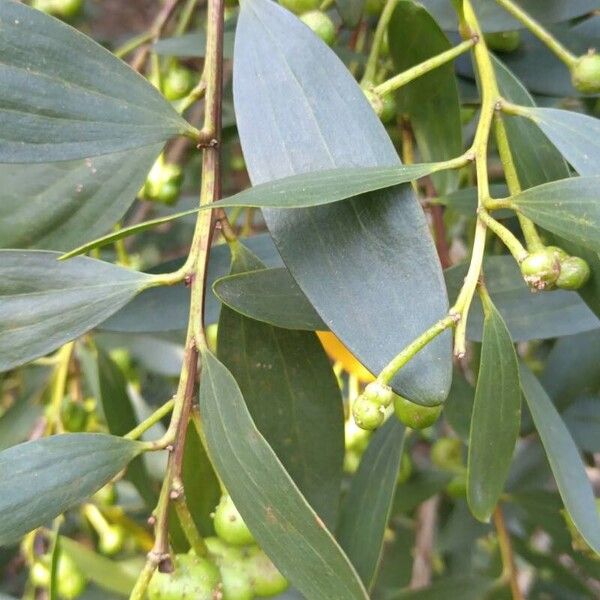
pixel 152 420
pixel 509 570
pixel 59 383
pixel 373 59
pixel 507 237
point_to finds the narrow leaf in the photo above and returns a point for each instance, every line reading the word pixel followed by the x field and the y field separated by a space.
pixel 46 303
pixel 41 479
pixel 368 503
pixel 193 44
pixel 566 464
pixel 282 521
pixel 64 96
pixel 496 416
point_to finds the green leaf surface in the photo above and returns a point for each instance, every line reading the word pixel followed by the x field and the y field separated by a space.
pixel 56 206
pixel 192 44
pixel 424 485
pixel 431 102
pixel 566 464
pixel 361 263
pixel 65 97
pixel 569 207
pixel 496 416
pixel 41 479
pixel 351 11
pixel 281 520
pixel 46 303
pixel 108 574
pixel 583 421
pixel 368 503
pixel 465 588
pixel 292 394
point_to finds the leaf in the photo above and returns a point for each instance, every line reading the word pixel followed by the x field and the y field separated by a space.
pixel 574 134
pixel 46 303
pixel 351 11
pixel 565 462
pixel 583 421
pixel 41 479
pixel 464 200
pixel 361 263
pixel 528 316
pixel 56 206
pixel 569 207
pixel 458 409
pixel 367 506
pixel 193 44
pixel 431 102
pixel 496 416
pixel 281 520
pixel 108 574
pixel 293 397
pixel 469 587
pixel 271 296
pixel 65 97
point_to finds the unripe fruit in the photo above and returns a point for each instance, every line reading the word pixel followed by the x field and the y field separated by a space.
pixel 414 415
pixel 300 6
pixel 379 393
pixel 163 183
pixel 405 470
pixel 558 252
pixel 367 414
pixel 237 583
pixel 223 552
pixel 447 454
pixel 541 269
pixel 503 41
pixel 585 74
pixel 70 582
pixel 178 83
pixel 63 9
pixel 193 577
pixel 229 524
pixel 321 24
pixel 574 273
pixel 374 7
pixel 390 108
pixel 375 100
pixel 266 579
pixel 111 540
pixel 457 487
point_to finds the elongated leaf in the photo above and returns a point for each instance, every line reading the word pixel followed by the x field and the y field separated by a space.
pixel 46 303
pixel 41 479
pixel 108 574
pixel 565 462
pixel 496 416
pixel 292 394
pixel 65 97
pixel 271 296
pixel 56 206
pixel 368 503
pixel 583 421
pixel 361 263
pixel 569 208
pixel 282 521
pixel 574 134
pixel 193 44
pixel 430 102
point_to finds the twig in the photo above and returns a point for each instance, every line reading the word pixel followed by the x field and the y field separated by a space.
pixel 509 570
pixel 426 525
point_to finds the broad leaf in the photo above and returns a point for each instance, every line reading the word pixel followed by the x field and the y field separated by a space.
pixel 46 303
pixel 368 503
pixel 64 96
pixel 292 394
pixel 565 461
pixel 496 416
pixel 361 263
pixel 431 102
pixel 41 479
pixel 59 205
pixel 281 520
pixel 569 207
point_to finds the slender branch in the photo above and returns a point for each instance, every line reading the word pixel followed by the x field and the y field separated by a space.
pixel 509 570
pixel 509 239
pixel 59 384
pixel 424 538
pixel 185 518
pixel 151 421
pixel 373 59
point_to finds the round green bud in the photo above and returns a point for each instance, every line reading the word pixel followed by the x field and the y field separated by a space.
pixel 585 74
pixel 111 540
pixel 405 470
pixel 321 24
pixel 192 577
pixel 70 581
pixel 574 273
pixel 63 9
pixel 503 41
pixel 414 415
pixel 447 454
pixel 300 6
pixel 221 551
pixel 237 582
pixel 390 108
pixel 178 83
pixel 457 486
pixel 266 579
pixel 73 415
pixel 541 269
pixel 379 393
pixel 367 414
pixel 229 525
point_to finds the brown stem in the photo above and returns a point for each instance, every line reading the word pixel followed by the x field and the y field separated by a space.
pixel 509 570
pixel 426 526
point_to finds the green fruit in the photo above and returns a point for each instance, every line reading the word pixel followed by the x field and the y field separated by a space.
pixel 558 252
pixel 237 582
pixel 457 487
pixel 373 8
pixel 414 415
pixel 585 74
pixel 63 9
pixel 379 393
pixel 541 269
pixel 111 540
pixel 221 551
pixel 390 108
pixel 503 41
pixel 300 6
pixel 178 83
pixel 163 183
pixel 321 24
pixel 574 273
pixel 229 524
pixel 73 415
pixel 193 577
pixel 106 496
pixel 367 414
pixel 70 581
pixel 405 470
pixel 447 454
pixel 266 579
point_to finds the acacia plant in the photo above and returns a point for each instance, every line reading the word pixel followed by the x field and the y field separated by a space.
pixel 352 376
